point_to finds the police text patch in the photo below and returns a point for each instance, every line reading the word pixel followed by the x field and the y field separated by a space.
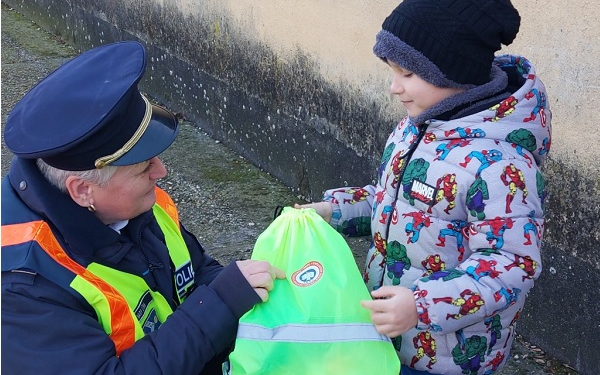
pixel 184 278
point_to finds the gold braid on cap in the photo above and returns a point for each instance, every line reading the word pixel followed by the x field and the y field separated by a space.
pixel 105 160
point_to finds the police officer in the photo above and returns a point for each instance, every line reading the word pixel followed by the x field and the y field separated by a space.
pixel 98 274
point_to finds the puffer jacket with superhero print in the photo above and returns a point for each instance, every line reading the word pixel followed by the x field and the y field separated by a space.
pixel 457 216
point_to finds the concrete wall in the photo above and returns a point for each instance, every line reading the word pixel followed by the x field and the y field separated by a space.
pixel 294 87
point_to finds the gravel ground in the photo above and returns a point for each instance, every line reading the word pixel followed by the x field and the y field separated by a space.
pixel 226 201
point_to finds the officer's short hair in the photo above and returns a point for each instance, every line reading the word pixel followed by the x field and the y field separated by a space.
pixel 58 177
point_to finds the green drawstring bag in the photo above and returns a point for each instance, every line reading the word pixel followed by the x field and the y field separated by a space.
pixel 313 322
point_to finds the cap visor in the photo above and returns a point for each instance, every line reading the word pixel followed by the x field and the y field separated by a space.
pixel 160 134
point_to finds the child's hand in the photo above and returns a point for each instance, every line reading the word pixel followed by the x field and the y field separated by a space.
pixel 324 209
pixel 393 310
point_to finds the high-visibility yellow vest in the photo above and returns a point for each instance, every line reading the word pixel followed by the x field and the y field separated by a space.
pixel 125 306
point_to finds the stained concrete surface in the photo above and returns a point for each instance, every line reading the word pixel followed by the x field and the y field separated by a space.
pixel 226 201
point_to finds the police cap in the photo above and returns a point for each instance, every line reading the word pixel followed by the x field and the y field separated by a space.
pixel 89 113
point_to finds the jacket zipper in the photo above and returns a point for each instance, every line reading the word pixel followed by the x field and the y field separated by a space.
pixel 411 150
pixel 156 266
pixel 151 266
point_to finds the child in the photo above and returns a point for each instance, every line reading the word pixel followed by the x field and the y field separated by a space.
pixel 456 215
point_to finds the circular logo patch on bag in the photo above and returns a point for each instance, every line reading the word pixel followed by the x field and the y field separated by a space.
pixel 309 274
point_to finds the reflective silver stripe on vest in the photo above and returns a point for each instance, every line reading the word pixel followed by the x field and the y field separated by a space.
pixel 311 332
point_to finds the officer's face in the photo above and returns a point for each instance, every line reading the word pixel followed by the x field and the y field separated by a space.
pixel 130 191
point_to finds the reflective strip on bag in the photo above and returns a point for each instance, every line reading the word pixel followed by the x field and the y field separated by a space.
pixel 317 333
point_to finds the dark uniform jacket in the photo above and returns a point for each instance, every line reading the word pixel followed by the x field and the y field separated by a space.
pixel 48 329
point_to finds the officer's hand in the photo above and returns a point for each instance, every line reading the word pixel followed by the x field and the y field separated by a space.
pixel 260 275
pixel 324 209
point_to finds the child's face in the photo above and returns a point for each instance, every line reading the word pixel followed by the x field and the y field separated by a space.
pixel 416 94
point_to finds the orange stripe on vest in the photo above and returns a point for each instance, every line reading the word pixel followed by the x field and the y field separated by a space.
pixel 164 200
pixel 122 324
